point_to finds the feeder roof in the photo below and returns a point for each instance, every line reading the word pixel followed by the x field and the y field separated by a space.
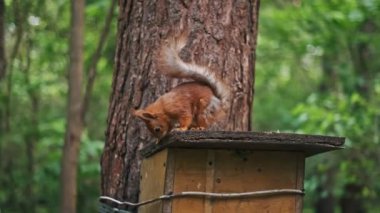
pixel 259 141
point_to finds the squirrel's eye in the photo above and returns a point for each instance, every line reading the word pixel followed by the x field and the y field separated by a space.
pixel 157 129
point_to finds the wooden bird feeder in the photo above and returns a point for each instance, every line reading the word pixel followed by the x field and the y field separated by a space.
pixel 231 165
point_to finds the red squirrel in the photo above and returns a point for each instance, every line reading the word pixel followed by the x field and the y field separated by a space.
pixel 191 105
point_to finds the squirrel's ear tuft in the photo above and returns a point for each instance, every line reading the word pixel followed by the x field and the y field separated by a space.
pixel 144 115
pixel 149 116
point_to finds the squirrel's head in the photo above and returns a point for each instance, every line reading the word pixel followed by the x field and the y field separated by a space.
pixel 158 124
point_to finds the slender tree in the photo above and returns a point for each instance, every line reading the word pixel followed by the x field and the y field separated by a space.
pixel 32 136
pixel 222 36
pixel 2 40
pixel 92 72
pixel 2 65
pixel 74 124
pixel 78 105
pixel 2 75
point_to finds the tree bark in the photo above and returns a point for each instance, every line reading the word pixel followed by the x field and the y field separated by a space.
pixel 74 124
pixel 222 36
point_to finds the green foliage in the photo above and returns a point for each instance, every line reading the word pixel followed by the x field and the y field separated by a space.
pixel 37 76
pixel 317 73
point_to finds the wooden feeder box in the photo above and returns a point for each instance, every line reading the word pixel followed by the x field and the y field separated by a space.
pixel 228 162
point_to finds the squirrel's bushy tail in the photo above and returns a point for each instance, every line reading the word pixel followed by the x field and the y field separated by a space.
pixel 170 64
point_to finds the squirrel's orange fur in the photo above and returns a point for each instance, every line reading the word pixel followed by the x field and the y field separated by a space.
pixel 191 105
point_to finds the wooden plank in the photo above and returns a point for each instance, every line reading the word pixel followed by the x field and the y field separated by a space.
pixel 237 171
pixel 309 144
pixel 210 172
pixel 253 171
pixel 152 181
pixel 169 181
pixel 300 181
pixel 190 175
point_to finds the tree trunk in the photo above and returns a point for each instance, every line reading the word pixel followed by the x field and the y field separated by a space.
pixel 351 201
pixel 362 56
pixel 2 71
pixel 74 124
pixel 2 40
pixel 324 204
pixel 330 77
pixel 222 36
pixel 32 136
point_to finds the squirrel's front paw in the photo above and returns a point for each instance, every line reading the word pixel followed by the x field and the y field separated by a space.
pixel 198 128
pixel 180 129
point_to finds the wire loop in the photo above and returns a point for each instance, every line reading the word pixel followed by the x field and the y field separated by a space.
pixel 208 195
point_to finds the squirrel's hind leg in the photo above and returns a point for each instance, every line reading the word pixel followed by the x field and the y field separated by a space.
pixel 200 122
pixel 184 122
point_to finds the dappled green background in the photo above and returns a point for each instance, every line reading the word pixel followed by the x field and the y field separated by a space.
pixel 317 72
pixel 45 41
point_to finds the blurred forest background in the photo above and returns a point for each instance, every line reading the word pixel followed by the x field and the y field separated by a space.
pixel 317 72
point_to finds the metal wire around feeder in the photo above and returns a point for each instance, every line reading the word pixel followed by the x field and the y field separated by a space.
pixel 208 195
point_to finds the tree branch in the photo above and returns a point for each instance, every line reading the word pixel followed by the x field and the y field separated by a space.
pixel 3 63
pixel 91 73
pixel 19 34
